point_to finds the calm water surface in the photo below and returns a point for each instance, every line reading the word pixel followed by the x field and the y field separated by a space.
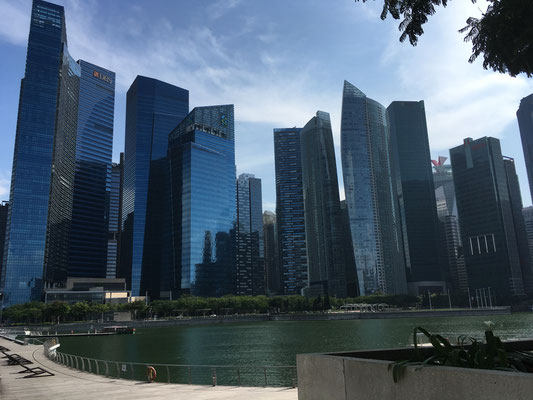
pixel 277 343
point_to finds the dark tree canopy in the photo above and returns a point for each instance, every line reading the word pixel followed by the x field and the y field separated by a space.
pixel 503 35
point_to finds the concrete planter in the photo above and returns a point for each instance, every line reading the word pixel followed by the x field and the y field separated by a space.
pixel 365 376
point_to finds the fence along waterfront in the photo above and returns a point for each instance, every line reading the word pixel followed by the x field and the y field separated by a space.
pixel 226 375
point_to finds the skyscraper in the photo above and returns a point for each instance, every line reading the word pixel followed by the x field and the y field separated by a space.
pixel 370 194
pixel 42 179
pixel 153 109
pixel 411 166
pixel 485 213
pixel 528 220
pixel 525 123
pixel 272 267
pixel 115 213
pixel 323 224
pixel 202 167
pixel 94 149
pixel 352 287
pixel 4 207
pixel 290 210
pixel 519 224
pixel 250 262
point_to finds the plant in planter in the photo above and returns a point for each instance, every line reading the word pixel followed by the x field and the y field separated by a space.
pixel 467 353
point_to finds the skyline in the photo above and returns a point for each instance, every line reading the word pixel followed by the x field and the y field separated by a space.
pixel 278 69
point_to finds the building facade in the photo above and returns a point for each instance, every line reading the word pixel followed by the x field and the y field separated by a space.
pixel 115 213
pixel 411 164
pixel 274 283
pixel 153 110
pixel 528 221
pixel 323 225
pixel 202 167
pixel 290 210
pixel 370 195
pixel 37 236
pixel 94 149
pixel 525 124
pixel 250 260
pixel 4 207
pixel 485 213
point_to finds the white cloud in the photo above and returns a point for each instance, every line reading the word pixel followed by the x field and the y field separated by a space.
pixel 5 183
pixel 15 22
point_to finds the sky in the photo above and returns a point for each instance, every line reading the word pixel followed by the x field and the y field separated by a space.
pixel 279 62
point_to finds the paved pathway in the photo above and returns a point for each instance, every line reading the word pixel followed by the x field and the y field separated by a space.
pixel 69 384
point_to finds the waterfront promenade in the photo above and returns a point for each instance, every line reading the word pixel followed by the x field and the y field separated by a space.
pixel 72 384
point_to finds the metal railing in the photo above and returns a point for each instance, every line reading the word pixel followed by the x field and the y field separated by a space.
pixel 225 375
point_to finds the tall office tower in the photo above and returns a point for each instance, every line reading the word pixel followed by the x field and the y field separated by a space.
pixel 202 168
pixel 485 214
pixel 290 210
pixel 153 110
pixel 352 287
pixel 37 237
pixel 525 124
pixel 450 247
pixel 249 261
pixel 115 212
pixel 519 224
pixel 274 284
pixel 411 163
pixel 323 223
pixel 94 149
pixel 370 195
pixel 4 207
pixel 528 220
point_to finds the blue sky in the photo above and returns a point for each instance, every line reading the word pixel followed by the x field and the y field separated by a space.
pixel 278 62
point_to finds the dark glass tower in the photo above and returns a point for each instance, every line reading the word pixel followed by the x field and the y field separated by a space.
pixel 519 224
pixel 94 148
pixel 43 164
pixel 370 195
pixel 485 213
pixel 272 267
pixel 202 165
pixel 525 123
pixel 290 210
pixel 115 213
pixel 411 163
pixel 153 109
pixel 250 263
pixel 323 223
pixel 4 207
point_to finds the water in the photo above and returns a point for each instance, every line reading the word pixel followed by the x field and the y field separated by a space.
pixel 248 345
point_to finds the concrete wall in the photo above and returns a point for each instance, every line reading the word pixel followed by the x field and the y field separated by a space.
pixel 330 377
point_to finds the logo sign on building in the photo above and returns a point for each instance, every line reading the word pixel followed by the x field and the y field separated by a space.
pixel 102 77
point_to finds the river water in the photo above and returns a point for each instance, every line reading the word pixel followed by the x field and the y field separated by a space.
pixel 277 343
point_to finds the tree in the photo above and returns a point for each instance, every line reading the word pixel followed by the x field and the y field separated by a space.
pixel 503 35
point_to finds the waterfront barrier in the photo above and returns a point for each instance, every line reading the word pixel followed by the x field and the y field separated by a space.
pixel 224 375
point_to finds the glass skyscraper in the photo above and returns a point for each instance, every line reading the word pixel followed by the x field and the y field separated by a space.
pixel 323 224
pixel 115 213
pixel 153 110
pixel 94 149
pixel 290 210
pixel 43 164
pixel 485 213
pixel 370 194
pixel 272 267
pixel 411 167
pixel 250 262
pixel 525 123
pixel 202 165
pixel 4 207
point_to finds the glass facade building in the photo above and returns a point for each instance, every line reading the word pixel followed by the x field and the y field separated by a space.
pixel 485 213
pixel 43 164
pixel 370 195
pixel 323 226
pixel 525 123
pixel 4 207
pixel 411 167
pixel 153 110
pixel 250 261
pixel 201 152
pixel 290 210
pixel 94 149
pixel 272 267
pixel 115 213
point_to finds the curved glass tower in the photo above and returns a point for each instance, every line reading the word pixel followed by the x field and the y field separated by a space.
pixel 370 195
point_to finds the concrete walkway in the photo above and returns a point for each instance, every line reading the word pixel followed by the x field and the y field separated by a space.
pixel 69 384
